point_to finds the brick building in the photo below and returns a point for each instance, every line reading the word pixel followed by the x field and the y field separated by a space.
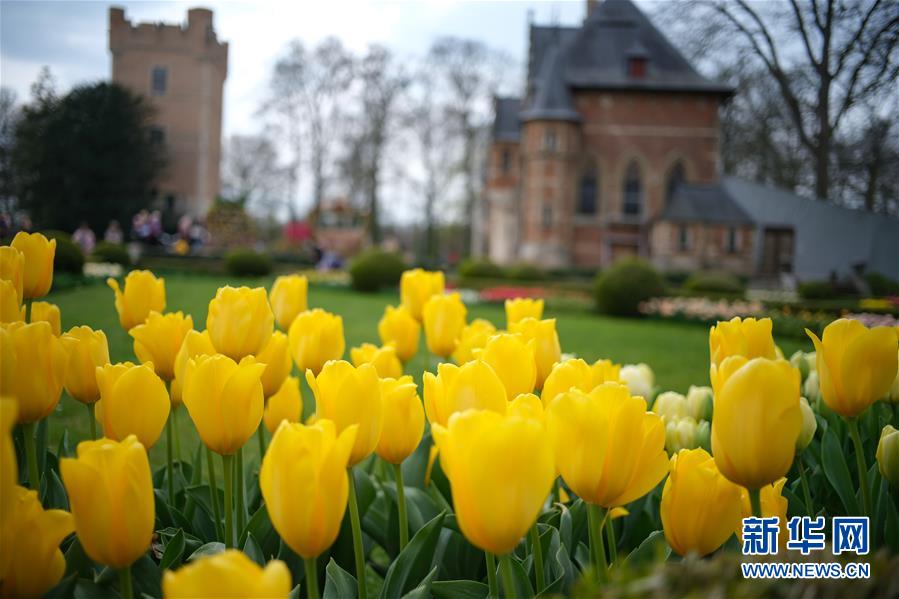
pixel 181 70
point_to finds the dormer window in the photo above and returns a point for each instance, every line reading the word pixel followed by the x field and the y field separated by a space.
pixel 636 67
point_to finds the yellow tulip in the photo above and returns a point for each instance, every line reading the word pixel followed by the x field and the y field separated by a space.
pixel 12 269
pixel 416 288
pixel 288 298
pixel 10 307
pixel 700 508
pixel 110 491
pixel 384 359
pixel 522 307
pixel 9 469
pixel 474 385
pixel 403 419
pixel 227 574
pixel 158 340
pixel 745 337
pixel 444 319
pixel 88 350
pixel 577 374
pixel 547 351
pixel 286 404
pixel 276 357
pixel 856 365
pixel 8 361
pixel 194 344
pixel 398 328
pixel 609 449
pixel 315 337
pixel 240 321
pixel 512 358
pixel 37 277
pixel 40 369
pixel 304 483
pixel 501 470
pixel 29 540
pixel 757 419
pixel 224 400
pixel 809 425
pixel 349 396
pixel 888 454
pixel 472 339
pixel 47 312
pixel 143 293
pixel 772 503
pixel 133 401
pixel 527 405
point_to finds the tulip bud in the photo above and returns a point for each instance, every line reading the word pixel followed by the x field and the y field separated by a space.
pixel 894 390
pixel 194 344
pixel 856 365
pixel 47 312
pixel 240 321
pixel 304 483
pixel 87 350
pixel 809 425
pixel 285 405
pixel 276 357
pixel 315 337
pixel 670 406
pixel 224 399
pixel 37 277
pixel 700 509
pixel 403 419
pixel 417 286
pixel 681 434
pixel 110 491
pixel 757 419
pixel 384 359
pixel 40 367
pixel 10 307
pixel 547 351
pixel 576 373
pixel 612 423
pixel 472 339
pixel 888 454
pixel 800 363
pixel 473 385
pixel 12 269
pixel 400 329
pixel 444 319
pixel 520 308
pixel 486 456
pixel 159 339
pixel 810 388
pixel 227 574
pixel 32 563
pixel 143 293
pixel 527 405
pixel 133 401
pixel 704 435
pixel 745 337
pixel 699 403
pixel 513 361
pixel 639 378
pixel 288 298
pixel 349 396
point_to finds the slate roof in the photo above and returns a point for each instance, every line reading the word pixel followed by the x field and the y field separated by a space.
pixel 710 203
pixel 506 123
pixel 551 97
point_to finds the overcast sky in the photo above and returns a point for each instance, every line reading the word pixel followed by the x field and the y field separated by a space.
pixel 71 37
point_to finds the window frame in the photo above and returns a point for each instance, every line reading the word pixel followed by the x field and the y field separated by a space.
pixel 629 207
pixel 154 73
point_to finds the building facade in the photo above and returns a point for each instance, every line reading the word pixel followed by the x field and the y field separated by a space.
pixel 181 70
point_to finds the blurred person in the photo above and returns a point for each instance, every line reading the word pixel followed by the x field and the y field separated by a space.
pixel 113 233
pixel 85 238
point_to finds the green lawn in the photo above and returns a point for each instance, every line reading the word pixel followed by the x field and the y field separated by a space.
pixel 677 352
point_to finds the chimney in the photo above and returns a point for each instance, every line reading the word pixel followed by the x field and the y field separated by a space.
pixel 591 6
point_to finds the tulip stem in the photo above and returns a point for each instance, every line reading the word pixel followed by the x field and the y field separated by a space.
pixel 862 468
pixel 505 570
pixel 28 303
pixel 755 501
pixel 213 492
pixel 803 481
pixel 91 420
pixel 228 471
pixel 170 471
pixel 311 578
pixel 492 586
pixel 241 499
pixel 401 505
pixel 537 550
pixel 594 521
pixel 126 589
pixel 356 525
pixel 610 538
pixel 34 477
pixel 260 434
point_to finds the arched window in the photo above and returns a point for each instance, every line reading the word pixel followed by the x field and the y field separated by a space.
pixel 633 191
pixel 676 176
pixel 588 198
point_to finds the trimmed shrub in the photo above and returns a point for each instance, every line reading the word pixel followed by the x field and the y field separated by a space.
pixel 813 290
pixel 525 272
pixel 620 289
pixel 373 269
pixel 69 257
pixel 479 268
pixel 882 285
pixel 713 282
pixel 114 253
pixel 247 263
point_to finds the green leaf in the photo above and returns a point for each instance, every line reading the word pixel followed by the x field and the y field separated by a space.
pixel 459 589
pixel 892 527
pixel 253 551
pixel 414 562
pixel 173 551
pixel 562 571
pixel 146 576
pixel 207 549
pixel 65 589
pixel 459 559
pixel 519 579
pixel 260 526
pixel 423 590
pixel 837 472
pixel 77 561
pixel 654 547
pixel 54 492
pixel 338 582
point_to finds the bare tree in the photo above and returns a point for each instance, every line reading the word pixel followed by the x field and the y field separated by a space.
pixel 252 173
pixel 9 117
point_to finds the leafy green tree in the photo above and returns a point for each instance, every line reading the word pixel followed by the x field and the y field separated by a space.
pixel 90 155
